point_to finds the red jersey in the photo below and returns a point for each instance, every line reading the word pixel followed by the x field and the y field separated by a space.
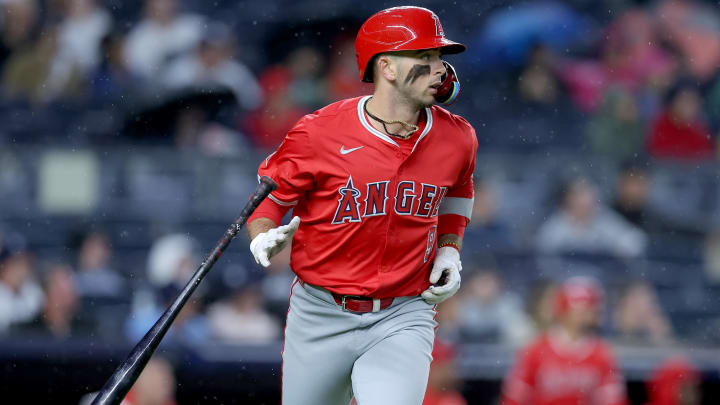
pixel 554 371
pixel 371 205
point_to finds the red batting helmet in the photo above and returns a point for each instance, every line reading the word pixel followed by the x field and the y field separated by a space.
pixel 579 292
pixel 400 29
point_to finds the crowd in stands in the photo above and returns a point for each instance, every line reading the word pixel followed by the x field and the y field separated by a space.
pixel 637 85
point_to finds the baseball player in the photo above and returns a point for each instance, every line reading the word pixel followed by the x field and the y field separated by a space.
pixel 381 191
pixel 568 365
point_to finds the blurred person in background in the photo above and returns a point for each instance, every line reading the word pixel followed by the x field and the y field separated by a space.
pixel 639 319
pixel 156 385
pixel 569 364
pixel 268 125
pixel 95 278
pixel 25 72
pixel 308 88
pixel 449 320
pixel 59 318
pixel 79 35
pixel 539 113
pixel 162 34
pixel 190 328
pixel 632 197
pixel 487 231
pixel 112 80
pixel 171 262
pixel 241 317
pixel 540 305
pixel 444 382
pixel 21 298
pixel 18 26
pixel 676 381
pixel 680 131
pixel 616 129
pixel 489 313
pixel 213 64
pixel 583 225
pixel 341 78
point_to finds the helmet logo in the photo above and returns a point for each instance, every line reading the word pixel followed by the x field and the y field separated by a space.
pixel 438 27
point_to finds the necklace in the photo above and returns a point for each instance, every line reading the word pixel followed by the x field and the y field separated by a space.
pixel 412 127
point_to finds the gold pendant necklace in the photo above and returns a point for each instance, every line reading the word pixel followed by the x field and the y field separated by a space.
pixel 412 127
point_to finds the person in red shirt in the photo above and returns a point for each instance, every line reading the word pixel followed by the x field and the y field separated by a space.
pixel 569 364
pixel 675 382
pixel 381 191
pixel 679 131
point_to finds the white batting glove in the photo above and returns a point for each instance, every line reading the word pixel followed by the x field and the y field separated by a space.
pixel 447 261
pixel 268 244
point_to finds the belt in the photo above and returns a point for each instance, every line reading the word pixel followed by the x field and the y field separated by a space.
pixel 358 304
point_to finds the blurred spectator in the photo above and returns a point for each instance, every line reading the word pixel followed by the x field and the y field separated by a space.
pixel 171 260
pixel 638 317
pixel 59 317
pixel 268 125
pixel 489 313
pixel 632 198
pixel 568 364
pixel 342 76
pixel 676 381
pixel 486 231
pixel 155 386
pixel 95 278
pixel 538 113
pixel 616 130
pixel 693 29
pixel 541 304
pixel 308 89
pixel 26 71
pixel 631 59
pixel 680 131
pixel 241 317
pixel 160 35
pixel 78 44
pixel 213 64
pixel 582 225
pixel 21 298
pixel 112 80
pixel 189 328
pixel 19 26
pixel 444 382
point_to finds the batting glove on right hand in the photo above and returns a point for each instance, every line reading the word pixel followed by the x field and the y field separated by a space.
pixel 447 262
pixel 268 244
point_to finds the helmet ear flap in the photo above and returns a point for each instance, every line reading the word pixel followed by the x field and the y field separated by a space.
pixel 449 88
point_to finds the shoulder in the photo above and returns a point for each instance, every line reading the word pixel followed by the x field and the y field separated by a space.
pixel 334 116
pixel 463 131
pixel 603 351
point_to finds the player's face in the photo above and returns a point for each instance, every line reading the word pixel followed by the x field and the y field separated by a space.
pixel 584 317
pixel 419 75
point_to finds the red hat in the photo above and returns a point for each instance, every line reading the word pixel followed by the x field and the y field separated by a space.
pixel 579 291
pixel 406 28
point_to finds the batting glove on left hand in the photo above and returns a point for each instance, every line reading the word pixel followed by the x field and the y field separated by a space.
pixel 447 262
pixel 268 244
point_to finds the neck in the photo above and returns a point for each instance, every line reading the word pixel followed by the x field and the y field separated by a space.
pixel 388 105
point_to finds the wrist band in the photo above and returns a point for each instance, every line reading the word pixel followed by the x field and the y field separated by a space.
pixel 452 244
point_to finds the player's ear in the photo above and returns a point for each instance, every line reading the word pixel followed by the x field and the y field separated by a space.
pixel 386 66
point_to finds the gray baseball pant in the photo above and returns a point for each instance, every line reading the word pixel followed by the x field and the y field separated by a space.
pixel 379 357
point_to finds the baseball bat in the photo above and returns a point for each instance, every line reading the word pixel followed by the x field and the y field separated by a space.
pixel 119 383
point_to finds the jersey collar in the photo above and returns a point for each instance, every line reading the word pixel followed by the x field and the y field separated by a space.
pixel 384 137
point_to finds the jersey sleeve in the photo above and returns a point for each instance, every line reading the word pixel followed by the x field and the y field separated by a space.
pixel 519 385
pixel 612 387
pixel 456 207
pixel 291 167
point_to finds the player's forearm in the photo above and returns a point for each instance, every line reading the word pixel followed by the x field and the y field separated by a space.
pixel 259 226
pixel 450 238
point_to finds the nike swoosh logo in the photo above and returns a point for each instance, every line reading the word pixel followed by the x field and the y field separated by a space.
pixel 344 151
